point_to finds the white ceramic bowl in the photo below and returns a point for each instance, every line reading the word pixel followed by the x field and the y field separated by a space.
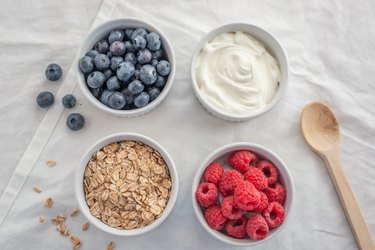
pixel 79 191
pixel 221 155
pixel 272 46
pixel 103 30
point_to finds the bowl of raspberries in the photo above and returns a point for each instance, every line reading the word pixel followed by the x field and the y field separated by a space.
pixel 125 67
pixel 243 194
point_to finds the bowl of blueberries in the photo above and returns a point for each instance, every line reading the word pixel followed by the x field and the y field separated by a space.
pixel 125 67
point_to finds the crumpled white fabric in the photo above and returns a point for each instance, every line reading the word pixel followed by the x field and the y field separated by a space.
pixel 331 55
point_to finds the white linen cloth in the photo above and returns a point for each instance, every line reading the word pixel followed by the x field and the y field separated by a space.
pixel 331 54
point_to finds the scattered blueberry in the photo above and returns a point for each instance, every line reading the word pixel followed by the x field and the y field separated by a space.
pixel 153 41
pixel 125 71
pixel 115 62
pixel 154 62
pixel 148 74
pixel 53 72
pixel 129 47
pixel 75 121
pixel 116 100
pixel 116 35
pixel 45 99
pixel 163 68
pixel 101 62
pixel 86 64
pixel 105 96
pixel 141 100
pixel 92 53
pixel 144 56
pixel 96 92
pixel 139 42
pixel 157 54
pixel 130 57
pixel 69 101
pixel 107 74
pixel 153 93
pixel 113 83
pixel 160 82
pixel 117 48
pixel 129 96
pixel 128 33
pixel 95 79
pixel 136 87
pixel 139 32
pixel 102 46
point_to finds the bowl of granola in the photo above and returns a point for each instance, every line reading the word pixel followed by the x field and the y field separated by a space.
pixel 126 184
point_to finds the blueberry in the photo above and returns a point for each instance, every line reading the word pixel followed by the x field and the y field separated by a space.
pixel 113 83
pixel 157 54
pixel 153 93
pixel 148 74
pixel 53 72
pixel 129 47
pixel 160 82
pixel 75 121
pixel 129 96
pixel 128 33
pixel 139 32
pixel 144 56
pixel 69 101
pixel 45 99
pixel 101 62
pixel 102 46
pixel 136 87
pixel 92 53
pixel 153 41
pixel 96 92
pixel 86 64
pixel 139 42
pixel 95 79
pixel 136 74
pixel 141 100
pixel 125 71
pixel 130 57
pixel 109 54
pixel 117 48
pixel 107 74
pixel 163 68
pixel 154 62
pixel 105 96
pixel 116 100
pixel 115 61
pixel 116 35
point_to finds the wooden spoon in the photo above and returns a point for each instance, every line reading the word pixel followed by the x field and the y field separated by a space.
pixel 321 131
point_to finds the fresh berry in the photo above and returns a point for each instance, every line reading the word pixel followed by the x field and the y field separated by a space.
pixel 141 100
pixel 45 99
pixel 144 56
pixel 136 87
pixel 102 62
pixel 53 72
pixel 139 32
pixel 242 160
pixel 128 33
pixel 154 62
pixel 125 71
pixel 130 57
pixel 153 92
pixel 163 68
pixel 129 96
pixel 256 176
pixel 115 62
pixel 153 41
pixel 246 196
pixel 75 121
pixel 274 214
pixel 86 64
pixel 107 74
pixel 105 96
pixel 257 227
pixel 102 46
pixel 229 181
pixel 116 35
pixel 69 101
pixel 157 54
pixel 92 53
pixel 275 192
pixel 96 92
pixel 136 74
pixel 214 217
pixel 95 79
pixel 117 48
pixel 237 228
pixel 113 83
pixel 213 173
pixel 116 100
pixel 129 47
pixel 109 54
pixel 139 42
pixel 207 194
pixel 269 170
pixel 229 209
pixel 148 74
pixel 263 203
pixel 160 82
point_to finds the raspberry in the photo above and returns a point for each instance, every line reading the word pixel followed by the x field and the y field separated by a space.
pixel 213 173
pixel 206 194
pixel 269 170
pixel 237 228
pixel 257 227
pixel 246 196
pixel 229 210
pixel 263 203
pixel 274 214
pixel 229 181
pixel 275 192
pixel 242 159
pixel 257 177
pixel 215 217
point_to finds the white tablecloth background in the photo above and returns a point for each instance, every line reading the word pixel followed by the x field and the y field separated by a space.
pixel 332 56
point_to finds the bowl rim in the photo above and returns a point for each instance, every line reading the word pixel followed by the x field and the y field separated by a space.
pixel 282 62
pixel 110 25
pixel 259 149
pixel 78 183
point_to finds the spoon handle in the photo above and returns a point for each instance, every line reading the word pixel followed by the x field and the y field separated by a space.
pixel 348 201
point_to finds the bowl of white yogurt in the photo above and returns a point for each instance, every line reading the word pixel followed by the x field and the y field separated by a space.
pixel 239 71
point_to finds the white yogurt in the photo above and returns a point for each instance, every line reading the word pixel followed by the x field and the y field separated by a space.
pixel 236 73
